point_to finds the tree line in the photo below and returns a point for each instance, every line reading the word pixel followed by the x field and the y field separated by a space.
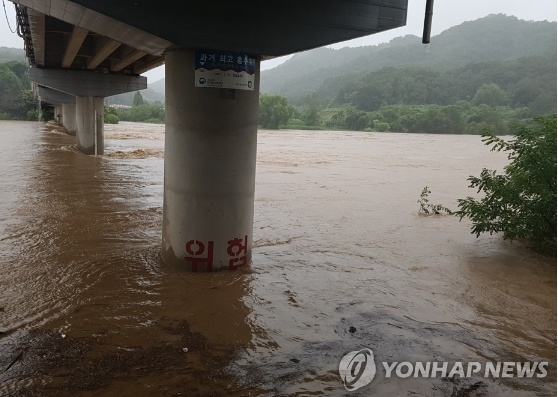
pixel 16 99
pixel 464 100
pixel 526 82
pixel 141 111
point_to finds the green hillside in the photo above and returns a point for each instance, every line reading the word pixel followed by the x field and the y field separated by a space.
pixel 493 38
pixel 8 54
pixel 16 98
pixel 150 95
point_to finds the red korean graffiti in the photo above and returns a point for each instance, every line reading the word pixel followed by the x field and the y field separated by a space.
pixel 197 254
pixel 238 251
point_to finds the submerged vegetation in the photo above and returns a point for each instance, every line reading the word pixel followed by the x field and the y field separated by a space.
pixel 520 203
pixel 430 209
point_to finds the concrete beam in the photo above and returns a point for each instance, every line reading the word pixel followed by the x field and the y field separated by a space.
pixel 127 60
pixel 148 66
pixel 51 102
pixel 99 23
pixel 269 28
pixel 54 97
pixel 103 52
pixel 74 44
pixel 87 83
pixel 37 23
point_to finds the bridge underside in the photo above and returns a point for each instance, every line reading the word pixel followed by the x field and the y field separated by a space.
pixel 130 36
pixel 268 28
pixel 63 35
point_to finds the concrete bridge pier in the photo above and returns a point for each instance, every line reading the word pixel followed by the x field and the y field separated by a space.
pixel 89 118
pixel 88 90
pixel 58 113
pixel 69 117
pixel 210 164
pixel 63 106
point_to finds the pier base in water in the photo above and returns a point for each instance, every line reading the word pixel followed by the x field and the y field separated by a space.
pixel 90 124
pixel 69 117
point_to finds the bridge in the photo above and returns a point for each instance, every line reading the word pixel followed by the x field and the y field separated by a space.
pixel 81 51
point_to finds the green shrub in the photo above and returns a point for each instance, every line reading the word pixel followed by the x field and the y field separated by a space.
pixel 274 111
pixel 32 115
pixel 111 119
pixel 521 203
pixel 142 113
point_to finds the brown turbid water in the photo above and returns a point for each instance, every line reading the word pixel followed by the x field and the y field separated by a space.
pixel 342 260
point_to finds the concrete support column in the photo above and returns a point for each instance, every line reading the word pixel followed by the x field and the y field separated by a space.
pixel 90 124
pixel 87 89
pixel 69 117
pixel 58 114
pixel 210 164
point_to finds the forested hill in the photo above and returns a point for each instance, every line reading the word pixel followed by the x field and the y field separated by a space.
pixel 8 54
pixel 490 39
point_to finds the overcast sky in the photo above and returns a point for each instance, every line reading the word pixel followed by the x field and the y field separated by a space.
pixel 447 13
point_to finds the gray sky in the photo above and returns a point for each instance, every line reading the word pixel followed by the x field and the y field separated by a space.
pixel 447 13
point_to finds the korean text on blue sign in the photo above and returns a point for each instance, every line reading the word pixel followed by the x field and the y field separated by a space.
pixel 217 69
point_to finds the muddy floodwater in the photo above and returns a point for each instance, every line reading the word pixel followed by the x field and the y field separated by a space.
pixel 342 261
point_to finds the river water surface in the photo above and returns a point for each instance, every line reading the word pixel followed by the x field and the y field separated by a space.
pixel 342 260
